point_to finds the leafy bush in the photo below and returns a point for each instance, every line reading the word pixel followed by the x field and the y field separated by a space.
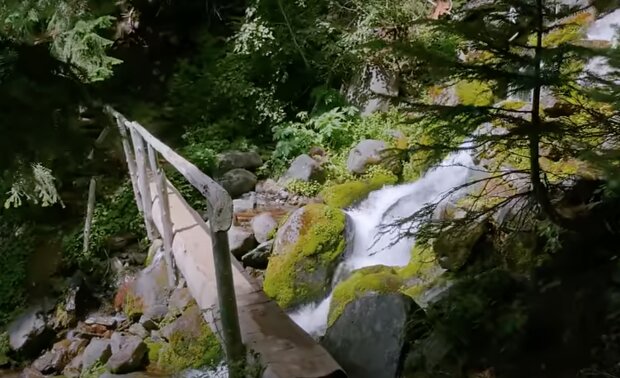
pixel 304 188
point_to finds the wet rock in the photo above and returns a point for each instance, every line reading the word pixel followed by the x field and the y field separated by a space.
pixel 31 373
pixel 238 181
pixel 247 202
pixel 384 319
pixel 98 351
pixel 263 226
pixel 29 334
pixel 129 358
pixel 240 241
pixel 303 168
pixel 259 257
pixel 367 152
pixel 180 299
pixel 138 330
pixel 236 159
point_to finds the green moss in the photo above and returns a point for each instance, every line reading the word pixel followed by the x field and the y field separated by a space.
pixel 319 246
pixel 475 93
pixel 422 261
pixel 95 371
pixel 347 194
pixel 132 306
pixel 154 348
pixel 188 351
pixel 513 105
pixel 378 279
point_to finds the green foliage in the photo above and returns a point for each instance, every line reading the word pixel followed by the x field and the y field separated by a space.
pixel 474 93
pixel 348 193
pixel 5 348
pixel 38 187
pixel 304 188
pixel 95 371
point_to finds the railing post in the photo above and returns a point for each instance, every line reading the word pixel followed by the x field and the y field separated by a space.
pixel 131 161
pixel 235 350
pixel 164 210
pixel 143 186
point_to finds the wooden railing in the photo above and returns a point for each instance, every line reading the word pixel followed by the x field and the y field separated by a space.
pixel 142 151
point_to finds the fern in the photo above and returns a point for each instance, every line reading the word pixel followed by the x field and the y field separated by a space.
pixel 38 188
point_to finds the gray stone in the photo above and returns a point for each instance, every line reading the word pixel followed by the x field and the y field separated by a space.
pixel 120 241
pixel 117 340
pixel 98 351
pixel 148 323
pixel 454 245
pixel 236 159
pixel 247 202
pixel 30 373
pixel 74 368
pixel 382 82
pixel 263 226
pixel 138 330
pixel 303 168
pixel 366 153
pixel 156 312
pixel 372 90
pixel 369 338
pixel 106 321
pixel 130 375
pixel 447 97
pixel 259 257
pixel 268 186
pixel 152 288
pixel 240 241
pixel 55 360
pixel 180 299
pixel 238 181
pixel 129 358
pixel 30 333
pixel 190 324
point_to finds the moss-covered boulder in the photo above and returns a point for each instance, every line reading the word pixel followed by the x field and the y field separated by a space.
pixel 373 279
pixel 349 193
pixel 306 251
pixel 454 246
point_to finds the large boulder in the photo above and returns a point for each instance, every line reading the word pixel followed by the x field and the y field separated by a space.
pixel 306 252
pixel 373 89
pixel 366 153
pixel 454 246
pixel 303 168
pixel 369 339
pixel 129 357
pixel 55 360
pixel 263 226
pixel 240 241
pixel 148 293
pixel 259 257
pixel 98 351
pixel 238 181
pixel 230 160
pixel 30 333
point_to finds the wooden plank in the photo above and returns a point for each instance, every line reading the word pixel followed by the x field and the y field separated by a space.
pixel 284 349
pixel 129 156
pixel 160 184
pixel 219 203
pixel 143 187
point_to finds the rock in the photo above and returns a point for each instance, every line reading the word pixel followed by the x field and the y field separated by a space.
pixel 121 241
pixel 98 351
pixel 454 246
pixel 148 323
pixel 30 373
pixel 56 359
pixel 259 257
pixel 189 323
pixel 263 226
pixel 240 241
pixel 74 368
pixel 236 159
pixel 366 153
pixel 245 203
pixel 180 299
pixel 29 334
pixel 373 89
pixel 138 330
pixel 106 321
pixel 148 293
pixel 130 375
pixel 446 96
pixel 268 186
pixel 383 82
pixel 352 192
pixel 238 181
pixel 303 168
pixel 129 358
pixel 382 319
pixel 306 251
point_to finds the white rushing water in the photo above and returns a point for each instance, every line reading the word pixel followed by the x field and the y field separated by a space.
pixel 603 29
pixel 382 207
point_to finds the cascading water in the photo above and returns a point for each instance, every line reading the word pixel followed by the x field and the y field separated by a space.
pixel 382 207
pixel 603 29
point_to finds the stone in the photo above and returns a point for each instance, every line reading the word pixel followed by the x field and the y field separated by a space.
pixel 30 373
pixel 454 246
pixel 382 82
pixel 106 321
pixel 180 299
pixel 29 333
pixel 138 330
pixel 268 186
pixel 121 241
pixel 259 257
pixel 229 160
pixel 148 293
pixel 263 226
pixel 303 168
pixel 189 323
pixel 366 153
pixel 369 339
pixel 129 358
pixel 306 251
pixel 148 323
pixel 74 368
pixel 247 202
pixel 372 90
pixel 107 374
pixel 240 241
pixel 55 360
pixel 238 181
pixel 98 351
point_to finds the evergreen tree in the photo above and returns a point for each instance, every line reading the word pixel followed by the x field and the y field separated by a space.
pixel 532 52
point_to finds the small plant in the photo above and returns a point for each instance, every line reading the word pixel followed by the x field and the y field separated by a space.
pixel 304 188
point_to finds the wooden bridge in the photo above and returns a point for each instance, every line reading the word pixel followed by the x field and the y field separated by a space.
pixel 233 302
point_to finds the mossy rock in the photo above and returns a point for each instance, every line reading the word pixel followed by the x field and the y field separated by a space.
pixel 454 246
pixel 307 250
pixel 349 193
pixel 373 279
pixel 474 92
pixel 422 264
pixel 522 253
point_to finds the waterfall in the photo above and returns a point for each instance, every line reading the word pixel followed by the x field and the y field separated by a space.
pixel 382 207
pixel 603 29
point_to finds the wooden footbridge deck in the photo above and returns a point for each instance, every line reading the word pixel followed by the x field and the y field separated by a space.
pixel 233 302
